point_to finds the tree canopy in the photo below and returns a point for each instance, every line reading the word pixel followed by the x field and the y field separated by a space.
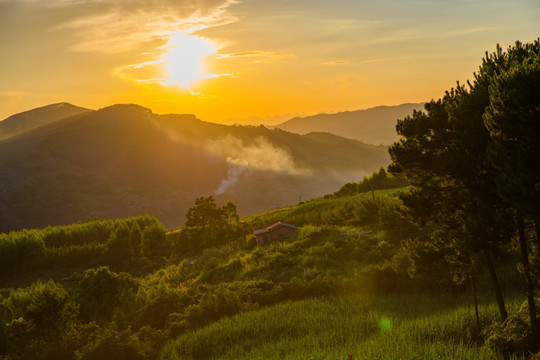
pixel 513 119
pixel 208 225
pixel 472 159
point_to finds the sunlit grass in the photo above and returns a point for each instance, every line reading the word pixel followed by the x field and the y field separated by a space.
pixel 317 211
pixel 366 327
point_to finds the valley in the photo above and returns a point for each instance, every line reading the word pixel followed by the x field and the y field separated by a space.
pixel 124 161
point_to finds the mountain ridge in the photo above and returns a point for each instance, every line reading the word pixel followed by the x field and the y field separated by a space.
pixel 124 160
pixel 27 120
pixel 374 125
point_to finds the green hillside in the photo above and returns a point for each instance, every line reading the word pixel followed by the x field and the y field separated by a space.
pixel 366 327
pixel 156 291
pixel 126 288
pixel 328 210
pixel 124 161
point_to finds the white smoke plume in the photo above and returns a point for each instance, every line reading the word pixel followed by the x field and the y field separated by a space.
pixel 233 175
pixel 261 154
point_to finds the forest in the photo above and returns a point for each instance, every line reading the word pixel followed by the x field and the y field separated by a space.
pixel 436 257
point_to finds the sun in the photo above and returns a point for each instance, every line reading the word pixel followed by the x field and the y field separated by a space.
pixel 185 60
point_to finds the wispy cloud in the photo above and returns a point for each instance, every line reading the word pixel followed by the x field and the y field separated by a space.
pixel 337 62
pixel 386 59
pixel 259 56
pixel 133 37
pixel 470 31
pixel 418 34
pixel 117 26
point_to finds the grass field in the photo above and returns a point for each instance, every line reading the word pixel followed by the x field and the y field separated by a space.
pixel 365 326
pixel 318 211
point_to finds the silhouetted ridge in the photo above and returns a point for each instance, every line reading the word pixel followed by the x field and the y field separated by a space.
pixel 372 126
pixel 31 119
pixel 126 109
pixel 124 160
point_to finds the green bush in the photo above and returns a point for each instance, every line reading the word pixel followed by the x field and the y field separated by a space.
pixel 46 327
pixel 21 251
pixel 76 256
pixel 100 291
pixel 513 335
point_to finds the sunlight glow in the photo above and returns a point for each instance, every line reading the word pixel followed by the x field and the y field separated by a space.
pixel 185 60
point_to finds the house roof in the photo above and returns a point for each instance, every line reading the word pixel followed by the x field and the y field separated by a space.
pixel 273 227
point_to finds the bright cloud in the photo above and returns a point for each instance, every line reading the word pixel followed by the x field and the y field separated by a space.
pixel 159 33
pixel 259 56
pixel 117 26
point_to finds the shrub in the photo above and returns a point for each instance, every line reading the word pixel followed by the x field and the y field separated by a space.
pixel 100 291
pixel 513 335
pixel 87 255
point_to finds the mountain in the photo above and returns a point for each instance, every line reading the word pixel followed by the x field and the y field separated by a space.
pixel 125 160
pixel 270 121
pixel 374 126
pixel 28 120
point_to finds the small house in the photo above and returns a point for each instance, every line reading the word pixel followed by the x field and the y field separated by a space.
pixel 277 231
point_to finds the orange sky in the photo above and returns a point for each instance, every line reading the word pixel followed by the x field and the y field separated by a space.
pixel 222 59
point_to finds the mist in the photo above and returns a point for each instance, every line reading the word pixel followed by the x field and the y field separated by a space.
pixel 260 154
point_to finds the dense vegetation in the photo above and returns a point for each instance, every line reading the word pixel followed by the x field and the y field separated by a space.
pixel 472 162
pixel 380 180
pixel 131 315
pixel 111 242
pixel 98 311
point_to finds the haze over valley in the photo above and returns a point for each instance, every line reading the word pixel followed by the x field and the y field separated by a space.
pixel 375 125
pixel 125 160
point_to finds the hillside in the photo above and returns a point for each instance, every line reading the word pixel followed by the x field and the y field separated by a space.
pixel 125 160
pixel 374 126
pixel 28 120
pixel 365 327
pixel 330 291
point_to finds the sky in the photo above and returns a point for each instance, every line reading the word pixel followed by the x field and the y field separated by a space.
pixel 223 59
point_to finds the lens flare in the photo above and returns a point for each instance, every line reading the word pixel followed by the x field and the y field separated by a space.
pixel 385 324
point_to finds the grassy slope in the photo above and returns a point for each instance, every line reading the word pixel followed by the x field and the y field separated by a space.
pixel 254 260
pixel 366 327
pixel 317 211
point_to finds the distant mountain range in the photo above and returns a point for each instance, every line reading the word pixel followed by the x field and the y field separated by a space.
pixel 373 126
pixel 66 163
pixel 268 121
pixel 28 120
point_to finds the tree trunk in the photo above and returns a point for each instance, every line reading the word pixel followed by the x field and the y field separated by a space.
pixel 537 234
pixel 528 282
pixel 495 284
pixel 473 288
